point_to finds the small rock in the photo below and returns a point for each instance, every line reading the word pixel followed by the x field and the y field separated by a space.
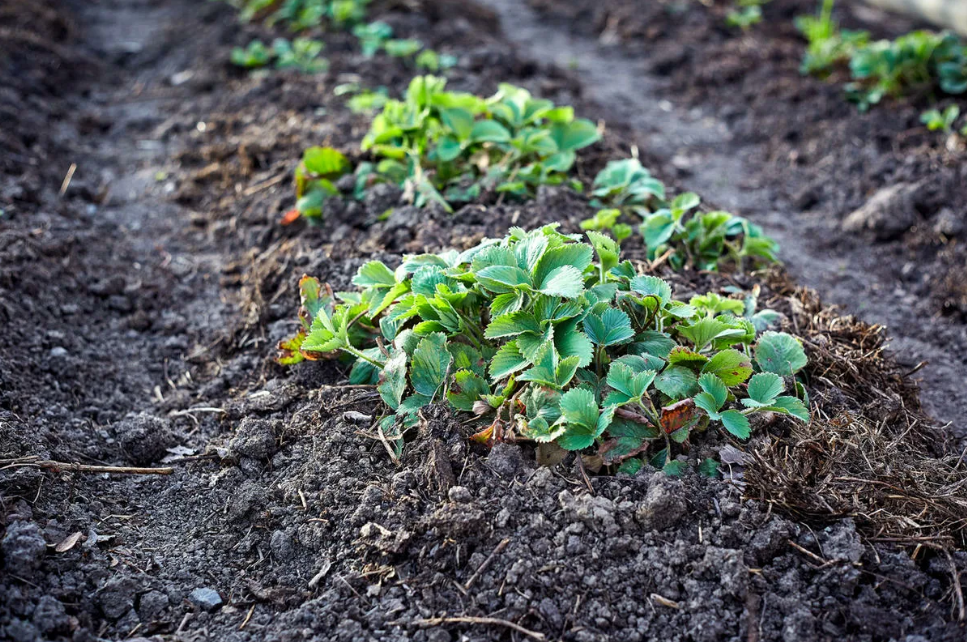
pixel 50 615
pixel 23 548
pixel 505 459
pixel 282 547
pixel 663 506
pixel 843 543
pixel 144 438
pixel 117 597
pixel 888 214
pixel 460 495
pixel 254 438
pixel 355 417
pixel 58 352
pixel 950 224
pixel 205 599
pixel 151 605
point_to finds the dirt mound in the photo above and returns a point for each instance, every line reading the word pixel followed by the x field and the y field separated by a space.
pixel 140 311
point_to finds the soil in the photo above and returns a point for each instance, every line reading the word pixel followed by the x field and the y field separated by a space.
pixel 141 300
pixel 729 116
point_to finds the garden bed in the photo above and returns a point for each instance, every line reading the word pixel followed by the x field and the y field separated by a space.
pixel 142 300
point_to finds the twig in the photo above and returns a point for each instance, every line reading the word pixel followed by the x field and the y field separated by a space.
pixel 247 618
pixel 958 589
pixel 486 563
pixel 255 189
pixel 437 621
pixel 389 449
pixel 67 179
pixel 60 466
pixel 807 552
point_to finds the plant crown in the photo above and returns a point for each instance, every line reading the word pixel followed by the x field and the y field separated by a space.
pixel 551 339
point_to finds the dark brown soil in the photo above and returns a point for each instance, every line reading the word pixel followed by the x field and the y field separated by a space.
pixel 140 309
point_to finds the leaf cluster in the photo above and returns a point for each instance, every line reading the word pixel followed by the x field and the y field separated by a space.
pixel 448 147
pixel 944 121
pixel 301 54
pixel 299 15
pixel 916 61
pixel 700 239
pixel 548 338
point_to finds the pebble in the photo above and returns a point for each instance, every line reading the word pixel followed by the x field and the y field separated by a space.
pixel 23 548
pixel 460 495
pixel 58 352
pixel 205 598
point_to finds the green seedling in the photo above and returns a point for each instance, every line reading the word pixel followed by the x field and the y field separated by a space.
pixel 301 54
pixel 372 37
pixel 628 186
pixel 255 55
pixel 546 338
pixel 937 120
pixel 430 60
pixel 745 14
pixel 315 184
pixel 402 48
pixel 607 221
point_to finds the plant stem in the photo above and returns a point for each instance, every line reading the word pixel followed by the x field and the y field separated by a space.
pixel 359 355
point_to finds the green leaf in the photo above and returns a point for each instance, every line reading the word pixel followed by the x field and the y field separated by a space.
pixel 576 255
pixel 709 468
pixel 731 366
pixel 326 162
pixel 703 332
pixel 574 135
pixel 512 324
pixel 612 327
pixel 507 361
pixel 489 131
pixel 736 423
pixel 626 439
pixel 715 387
pixel 470 387
pixel 652 286
pixel 392 380
pixel 572 343
pixel 458 120
pixel 780 353
pixel 765 387
pixel 565 281
pixel 430 362
pixel 677 382
pixel 675 468
pixel 631 466
pixel 793 406
pixel 503 278
pixel 540 431
pixel 628 384
pixel 374 273
pixel 579 407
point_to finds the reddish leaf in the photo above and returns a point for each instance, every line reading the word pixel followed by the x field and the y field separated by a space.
pixel 290 217
pixel 678 415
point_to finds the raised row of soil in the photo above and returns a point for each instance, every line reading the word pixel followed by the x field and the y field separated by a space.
pixel 142 298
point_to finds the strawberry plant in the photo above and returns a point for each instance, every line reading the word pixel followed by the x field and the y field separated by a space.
pixel 745 14
pixel 886 68
pixel 546 338
pixel 449 147
pixel 703 240
pixel 937 120
pixel 301 54
pixel 607 221
pixel 299 15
